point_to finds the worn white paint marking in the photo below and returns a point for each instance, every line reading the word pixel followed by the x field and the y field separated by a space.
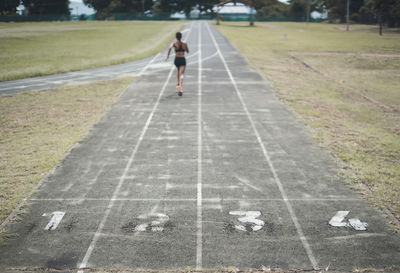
pixel 248 217
pixel 358 225
pixel 184 199
pixel 172 132
pixel 231 113
pixel 164 177
pixel 55 219
pixel 192 55
pixel 337 220
pixel 84 173
pixel 247 183
pixel 299 229
pixel 169 186
pixel 213 206
pixel 166 138
pixel 228 187
pixel 160 65
pixel 147 66
pixel 123 177
pixel 131 177
pixel 199 233
pixel 156 225
pixel 67 187
pixel 357 236
pixel 263 110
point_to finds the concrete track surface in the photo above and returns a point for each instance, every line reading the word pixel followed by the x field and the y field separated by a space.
pixel 223 176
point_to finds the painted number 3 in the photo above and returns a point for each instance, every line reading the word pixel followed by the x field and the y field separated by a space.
pixel 249 217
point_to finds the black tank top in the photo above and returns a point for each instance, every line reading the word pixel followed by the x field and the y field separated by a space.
pixel 180 49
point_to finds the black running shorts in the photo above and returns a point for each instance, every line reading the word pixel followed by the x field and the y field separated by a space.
pixel 180 61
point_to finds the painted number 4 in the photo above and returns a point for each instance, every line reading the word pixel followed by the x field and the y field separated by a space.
pixel 337 221
pixel 249 217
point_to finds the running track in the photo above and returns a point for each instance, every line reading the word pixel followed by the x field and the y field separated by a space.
pixel 223 176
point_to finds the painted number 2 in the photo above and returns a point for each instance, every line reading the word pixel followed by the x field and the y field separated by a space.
pixel 156 225
pixel 250 218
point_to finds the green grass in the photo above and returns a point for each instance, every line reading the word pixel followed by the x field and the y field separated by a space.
pixel 34 49
pixel 38 128
pixel 345 86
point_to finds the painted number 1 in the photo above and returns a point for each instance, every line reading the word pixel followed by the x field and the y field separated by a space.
pixel 55 219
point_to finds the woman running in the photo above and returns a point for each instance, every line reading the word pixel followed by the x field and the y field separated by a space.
pixel 180 61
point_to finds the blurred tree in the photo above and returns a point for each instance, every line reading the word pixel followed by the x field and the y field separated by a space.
pixel 98 5
pixel 8 7
pixel 395 12
pixel 106 7
pixel 271 9
pixel 43 7
pixel 298 9
pixel 130 6
pixel 383 12
pixel 172 6
pixel 207 5
pixel 337 9
pixel 387 12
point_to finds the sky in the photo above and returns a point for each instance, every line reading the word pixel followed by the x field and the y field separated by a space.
pixel 77 7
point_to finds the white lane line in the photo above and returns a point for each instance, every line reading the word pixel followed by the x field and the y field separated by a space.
pixel 147 65
pixel 199 237
pixel 124 175
pixel 13 87
pixel 357 236
pixel 190 199
pixel 195 62
pixel 14 212
pixel 192 55
pixel 299 229
pixel 60 80
pixel 122 179
pixel 247 183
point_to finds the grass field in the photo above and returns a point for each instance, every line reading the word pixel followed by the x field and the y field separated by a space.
pixel 34 49
pixel 38 128
pixel 345 86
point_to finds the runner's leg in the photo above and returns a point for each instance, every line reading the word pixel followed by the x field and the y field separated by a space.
pixel 181 72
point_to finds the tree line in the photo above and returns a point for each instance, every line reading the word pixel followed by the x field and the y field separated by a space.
pixel 384 12
pixel 362 11
pixel 35 7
